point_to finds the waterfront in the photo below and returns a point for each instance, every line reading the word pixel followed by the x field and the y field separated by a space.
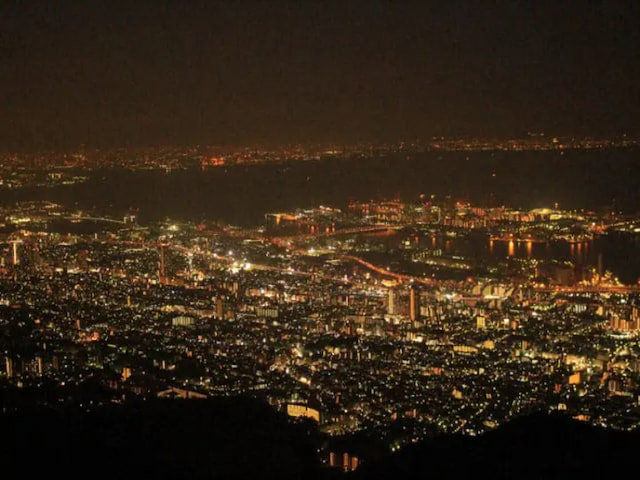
pixel 242 194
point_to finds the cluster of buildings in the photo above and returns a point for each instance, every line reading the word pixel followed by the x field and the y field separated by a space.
pixel 336 324
pixel 532 142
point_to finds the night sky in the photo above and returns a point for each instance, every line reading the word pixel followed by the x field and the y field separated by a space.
pixel 119 73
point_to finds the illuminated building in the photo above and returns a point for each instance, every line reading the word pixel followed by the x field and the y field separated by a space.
pixel 180 393
pixel 9 370
pixel 575 379
pixel 39 366
pixel 297 410
pixel 16 259
pixel 349 462
pixel 267 311
pixel 617 323
pixel 414 304
pixel 392 301
pixel 182 321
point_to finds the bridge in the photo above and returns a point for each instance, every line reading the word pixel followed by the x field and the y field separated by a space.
pixel 334 233
pixel 94 219
pixel 387 273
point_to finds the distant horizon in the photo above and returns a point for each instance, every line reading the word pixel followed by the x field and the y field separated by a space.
pixel 272 145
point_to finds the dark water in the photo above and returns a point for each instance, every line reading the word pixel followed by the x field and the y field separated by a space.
pixel 620 252
pixel 241 195
pixel 64 227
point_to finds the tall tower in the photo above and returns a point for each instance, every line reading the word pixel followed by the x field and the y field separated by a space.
pixel 414 303
pixel 39 366
pixel 16 259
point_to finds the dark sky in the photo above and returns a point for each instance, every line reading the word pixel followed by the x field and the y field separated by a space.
pixel 159 72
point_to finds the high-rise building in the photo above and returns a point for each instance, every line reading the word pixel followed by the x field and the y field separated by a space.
pixel 414 304
pixel 349 462
pixel 39 366
pixel 9 371
pixel 16 259
pixel 392 302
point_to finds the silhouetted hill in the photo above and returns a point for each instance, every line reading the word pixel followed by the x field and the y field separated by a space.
pixel 237 438
pixel 221 438
pixel 535 447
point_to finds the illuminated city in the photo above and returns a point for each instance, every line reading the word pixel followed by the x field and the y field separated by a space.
pixel 364 307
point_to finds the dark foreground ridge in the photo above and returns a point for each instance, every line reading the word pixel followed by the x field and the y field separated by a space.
pixel 221 438
pixel 539 446
pixel 243 438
